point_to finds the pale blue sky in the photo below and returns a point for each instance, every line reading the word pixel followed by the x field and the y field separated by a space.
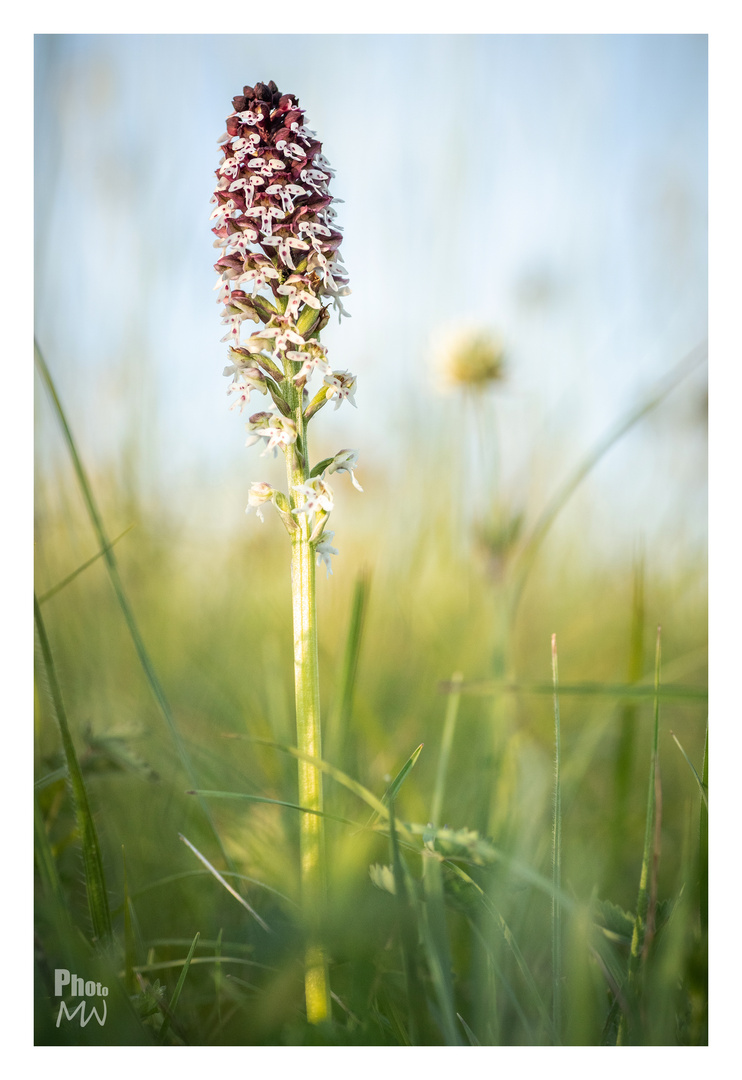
pixel 552 188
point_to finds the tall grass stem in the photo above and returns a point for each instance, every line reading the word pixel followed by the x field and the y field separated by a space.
pixel 556 904
pixel 642 903
pixel 109 558
pixel 95 882
pixel 528 553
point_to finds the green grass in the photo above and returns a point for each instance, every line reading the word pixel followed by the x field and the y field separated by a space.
pixel 466 905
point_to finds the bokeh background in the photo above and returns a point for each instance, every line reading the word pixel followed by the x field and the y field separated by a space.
pixel 550 189
pixel 547 191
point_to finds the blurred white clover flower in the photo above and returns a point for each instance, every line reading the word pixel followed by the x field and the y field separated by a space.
pixel 468 357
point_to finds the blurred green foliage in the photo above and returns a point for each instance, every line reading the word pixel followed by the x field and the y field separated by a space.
pixel 216 619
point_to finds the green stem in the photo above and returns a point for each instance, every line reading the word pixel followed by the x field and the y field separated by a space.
pixel 556 910
pixel 642 903
pixel 308 737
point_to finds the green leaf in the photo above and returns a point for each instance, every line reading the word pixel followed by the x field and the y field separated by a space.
pixel 321 466
pixel 319 399
pixel 614 920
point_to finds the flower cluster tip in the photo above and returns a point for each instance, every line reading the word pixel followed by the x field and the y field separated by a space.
pixel 280 267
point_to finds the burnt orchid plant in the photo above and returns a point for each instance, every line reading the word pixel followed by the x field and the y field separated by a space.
pixel 280 267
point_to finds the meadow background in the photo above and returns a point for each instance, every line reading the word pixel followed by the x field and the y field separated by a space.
pixel 551 191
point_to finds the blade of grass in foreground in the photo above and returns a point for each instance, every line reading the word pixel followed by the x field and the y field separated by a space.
pixel 699 781
pixel 129 943
pixel 118 588
pixel 556 905
pixel 703 853
pixel 337 774
pixel 449 728
pixel 512 944
pixel 178 989
pixel 473 1040
pixel 435 933
pixel 95 882
pixel 408 938
pixel 393 790
pixel 642 903
pixel 227 886
pixel 48 873
pixel 274 802
pixel 435 941
pixel 171 878
pixel 339 719
pixel 627 725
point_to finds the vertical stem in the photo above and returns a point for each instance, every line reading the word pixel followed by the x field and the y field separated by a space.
pixel 308 736
pixel 556 908
pixel 642 903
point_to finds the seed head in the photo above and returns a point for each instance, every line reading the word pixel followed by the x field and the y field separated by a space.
pixel 471 359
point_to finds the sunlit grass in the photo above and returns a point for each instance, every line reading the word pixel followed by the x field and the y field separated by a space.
pixel 455 943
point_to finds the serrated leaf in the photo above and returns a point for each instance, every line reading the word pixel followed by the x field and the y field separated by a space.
pixel 614 919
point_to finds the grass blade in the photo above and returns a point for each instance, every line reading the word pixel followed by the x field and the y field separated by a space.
pixel 129 943
pixel 556 905
pixel 95 883
pixel 642 903
pixel 435 940
pixel 701 786
pixel 274 802
pixel 339 719
pixel 408 938
pixel 183 874
pixel 50 778
pixel 487 687
pixel 108 556
pixel 528 553
pixel 627 729
pixel 703 853
pixel 435 934
pixel 449 727
pixel 233 892
pixel 393 789
pixel 473 1040
pixel 337 774
pixel 512 944
pixel 75 573
pixel 178 988
pixel 48 873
